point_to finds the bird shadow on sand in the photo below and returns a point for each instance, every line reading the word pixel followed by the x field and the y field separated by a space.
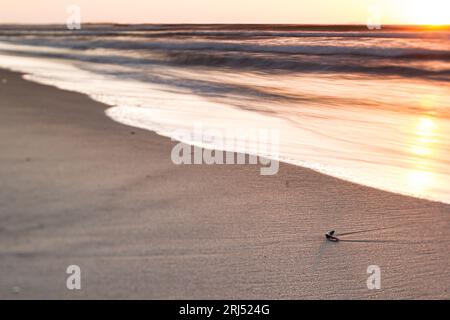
pixel 368 241
pixel 401 242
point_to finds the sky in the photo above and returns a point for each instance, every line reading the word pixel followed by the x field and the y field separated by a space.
pixel 229 11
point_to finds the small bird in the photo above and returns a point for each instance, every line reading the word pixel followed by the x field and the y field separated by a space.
pixel 330 236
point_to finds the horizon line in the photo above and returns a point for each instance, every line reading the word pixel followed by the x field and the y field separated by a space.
pixel 228 23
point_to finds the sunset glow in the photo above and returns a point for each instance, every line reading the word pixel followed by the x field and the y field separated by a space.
pixel 431 12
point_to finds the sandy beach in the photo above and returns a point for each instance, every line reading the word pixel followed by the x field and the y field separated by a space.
pixel 78 188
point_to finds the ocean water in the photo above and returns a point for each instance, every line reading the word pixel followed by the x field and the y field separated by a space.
pixel 371 107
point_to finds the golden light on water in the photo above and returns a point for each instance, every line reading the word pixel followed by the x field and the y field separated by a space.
pixel 419 180
pixel 424 132
pixel 425 126
pixel 420 176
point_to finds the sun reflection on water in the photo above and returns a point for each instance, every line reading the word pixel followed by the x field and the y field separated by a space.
pixel 420 177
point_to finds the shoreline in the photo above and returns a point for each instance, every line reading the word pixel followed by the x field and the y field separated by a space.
pixel 402 174
pixel 298 163
pixel 79 188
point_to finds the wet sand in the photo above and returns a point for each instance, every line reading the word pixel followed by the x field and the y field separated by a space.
pixel 78 188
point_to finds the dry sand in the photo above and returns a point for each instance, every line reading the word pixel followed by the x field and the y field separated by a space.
pixel 78 188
